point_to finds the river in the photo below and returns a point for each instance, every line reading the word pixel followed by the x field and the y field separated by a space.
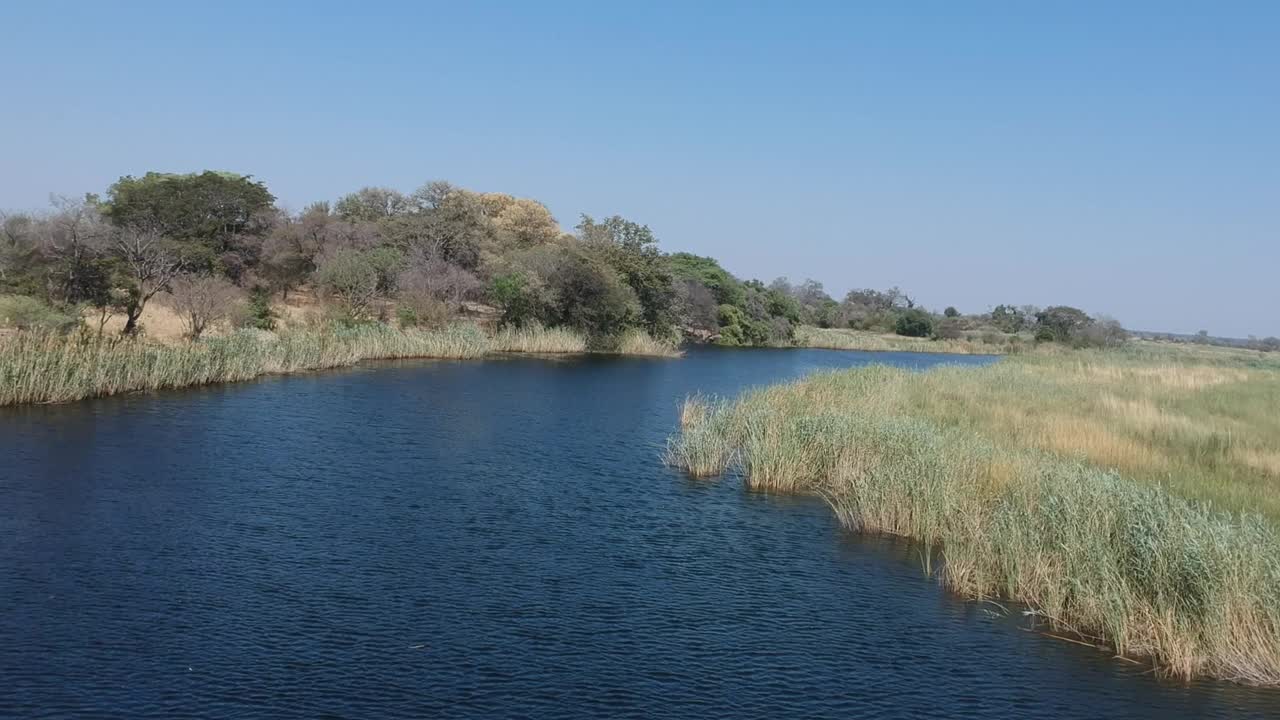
pixel 484 539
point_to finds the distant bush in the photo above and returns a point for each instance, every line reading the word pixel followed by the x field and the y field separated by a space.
pixel 914 323
pixel 949 328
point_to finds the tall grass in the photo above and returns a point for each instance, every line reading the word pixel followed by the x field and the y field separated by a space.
pixel 538 339
pixel 1132 564
pixel 837 339
pixel 41 368
pixel 639 342
pixel 37 367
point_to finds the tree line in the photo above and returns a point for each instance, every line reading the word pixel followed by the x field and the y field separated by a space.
pixel 215 246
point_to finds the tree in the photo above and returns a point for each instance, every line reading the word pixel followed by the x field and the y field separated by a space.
pixel 510 293
pixel 951 312
pixel 430 287
pixel 519 223
pixel 869 309
pixel 632 251
pixel 697 308
pixel 725 287
pixel 354 279
pixel 1008 318
pixel 447 218
pixel 150 263
pixel 371 204
pixel 1061 323
pixel 291 251
pixel 1101 332
pixel 215 219
pixel 914 323
pixel 201 300
pixel 590 296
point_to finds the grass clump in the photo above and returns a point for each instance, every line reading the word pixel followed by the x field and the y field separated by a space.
pixel 1004 469
pixel 538 339
pixel 639 342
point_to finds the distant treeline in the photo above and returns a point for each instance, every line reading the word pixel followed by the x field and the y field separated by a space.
pixel 215 246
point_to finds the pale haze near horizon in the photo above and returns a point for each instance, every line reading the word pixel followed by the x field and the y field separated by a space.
pixel 1122 160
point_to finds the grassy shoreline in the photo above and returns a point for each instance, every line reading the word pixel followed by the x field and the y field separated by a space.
pixel 837 339
pixel 1120 496
pixel 44 368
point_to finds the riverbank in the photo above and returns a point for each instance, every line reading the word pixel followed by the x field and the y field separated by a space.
pixel 838 339
pixel 45 368
pixel 1127 497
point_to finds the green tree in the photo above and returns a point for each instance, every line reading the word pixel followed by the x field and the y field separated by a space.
pixel 217 219
pixel 951 312
pixel 590 296
pixel 1008 318
pixel 725 287
pixel 511 293
pixel 357 279
pixel 1061 323
pixel 914 323
pixel 632 251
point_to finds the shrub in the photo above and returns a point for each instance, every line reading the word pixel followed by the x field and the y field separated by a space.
pixel 914 323
pixel 28 313
pixel 201 300
pixel 257 313
pixel 948 329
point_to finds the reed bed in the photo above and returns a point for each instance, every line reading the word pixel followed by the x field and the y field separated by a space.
pixel 837 339
pixel 48 367
pixel 1133 565
pixel 538 339
pixel 639 342
pixel 43 368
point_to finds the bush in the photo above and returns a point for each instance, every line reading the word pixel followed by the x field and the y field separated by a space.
pixel 356 279
pixel 28 313
pixel 201 301
pixel 948 329
pixel 423 312
pixel 914 323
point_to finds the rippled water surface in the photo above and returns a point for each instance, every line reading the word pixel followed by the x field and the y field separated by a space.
pixel 484 539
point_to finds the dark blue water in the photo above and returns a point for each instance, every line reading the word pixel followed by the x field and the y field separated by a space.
pixel 486 539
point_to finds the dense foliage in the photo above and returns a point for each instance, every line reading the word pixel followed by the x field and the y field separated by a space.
pixel 423 257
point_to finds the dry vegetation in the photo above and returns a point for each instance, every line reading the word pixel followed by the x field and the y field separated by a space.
pixel 839 339
pixel 1126 496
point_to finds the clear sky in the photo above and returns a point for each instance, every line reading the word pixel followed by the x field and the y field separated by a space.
pixel 1123 157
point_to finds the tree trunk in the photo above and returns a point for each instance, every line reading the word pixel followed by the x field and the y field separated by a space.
pixel 131 320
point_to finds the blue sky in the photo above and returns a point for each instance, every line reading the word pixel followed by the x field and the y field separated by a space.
pixel 1121 157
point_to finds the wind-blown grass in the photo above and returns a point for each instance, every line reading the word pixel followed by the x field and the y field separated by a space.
pixel 1042 515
